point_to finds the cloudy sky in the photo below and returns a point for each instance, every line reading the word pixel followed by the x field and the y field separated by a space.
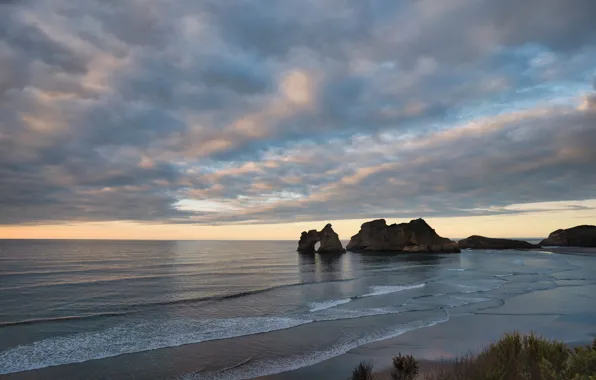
pixel 259 118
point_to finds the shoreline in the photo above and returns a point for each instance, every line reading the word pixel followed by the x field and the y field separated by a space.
pixel 436 347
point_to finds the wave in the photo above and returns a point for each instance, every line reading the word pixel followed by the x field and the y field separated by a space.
pixel 342 314
pixel 134 308
pixel 377 291
pixel 151 335
pixel 456 269
pixel 134 337
pixel 61 319
pixel 270 367
pixel 403 267
pixel 444 301
pixel 381 290
pixel 119 279
pixel 318 306
pixel 469 289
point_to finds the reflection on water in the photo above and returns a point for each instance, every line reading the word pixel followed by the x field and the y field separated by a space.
pixel 255 297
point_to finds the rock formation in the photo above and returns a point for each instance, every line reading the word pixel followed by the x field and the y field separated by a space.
pixel 580 236
pixel 415 236
pixel 308 240
pixel 481 242
pixel 329 240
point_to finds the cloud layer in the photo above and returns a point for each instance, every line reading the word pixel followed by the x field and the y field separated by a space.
pixel 267 111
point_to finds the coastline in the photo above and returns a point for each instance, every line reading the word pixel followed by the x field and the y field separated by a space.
pixel 438 346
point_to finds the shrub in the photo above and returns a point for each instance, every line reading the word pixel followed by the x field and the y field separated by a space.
pixel 517 357
pixel 364 371
pixel 404 367
pixel 513 357
pixel 582 363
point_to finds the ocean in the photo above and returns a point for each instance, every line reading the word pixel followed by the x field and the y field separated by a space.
pixel 81 309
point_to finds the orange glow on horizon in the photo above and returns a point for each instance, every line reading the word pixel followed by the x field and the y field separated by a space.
pixel 531 224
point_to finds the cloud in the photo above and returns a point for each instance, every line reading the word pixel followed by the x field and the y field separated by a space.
pixel 474 169
pixel 283 111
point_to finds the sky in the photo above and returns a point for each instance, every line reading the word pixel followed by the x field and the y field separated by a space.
pixel 257 119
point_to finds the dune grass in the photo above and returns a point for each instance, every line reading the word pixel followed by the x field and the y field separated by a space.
pixel 513 357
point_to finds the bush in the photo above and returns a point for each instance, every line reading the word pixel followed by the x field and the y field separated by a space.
pixel 364 371
pixel 582 364
pixel 404 367
pixel 517 357
pixel 513 357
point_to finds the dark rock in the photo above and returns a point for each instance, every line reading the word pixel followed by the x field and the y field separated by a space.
pixel 415 236
pixel 481 242
pixel 308 240
pixel 580 236
pixel 330 242
pixel 329 239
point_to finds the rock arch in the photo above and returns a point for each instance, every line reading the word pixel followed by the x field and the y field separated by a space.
pixel 328 239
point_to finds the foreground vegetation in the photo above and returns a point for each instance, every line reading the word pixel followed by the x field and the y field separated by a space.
pixel 514 357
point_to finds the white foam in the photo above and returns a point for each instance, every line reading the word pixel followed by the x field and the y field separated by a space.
pixel 402 267
pixel 318 306
pixel 340 314
pixel 147 336
pixel 380 290
pixel 457 269
pixel 464 301
pixel 484 286
pixel 443 300
pixel 270 367
pixel 377 291
pixel 134 337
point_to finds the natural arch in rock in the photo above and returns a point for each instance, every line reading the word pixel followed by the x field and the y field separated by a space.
pixel 327 238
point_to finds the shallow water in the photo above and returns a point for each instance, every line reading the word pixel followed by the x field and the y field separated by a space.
pixel 232 310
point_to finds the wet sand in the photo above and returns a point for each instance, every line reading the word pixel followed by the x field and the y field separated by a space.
pixel 439 345
pixel 587 251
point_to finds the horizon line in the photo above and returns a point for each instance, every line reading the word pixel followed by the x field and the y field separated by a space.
pixel 132 239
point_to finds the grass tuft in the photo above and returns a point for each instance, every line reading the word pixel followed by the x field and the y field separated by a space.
pixel 513 357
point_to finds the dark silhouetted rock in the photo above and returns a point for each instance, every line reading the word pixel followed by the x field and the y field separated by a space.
pixel 308 240
pixel 481 242
pixel 329 240
pixel 415 236
pixel 580 236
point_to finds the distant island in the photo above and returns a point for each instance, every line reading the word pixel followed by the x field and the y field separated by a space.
pixel 418 236
pixel 482 242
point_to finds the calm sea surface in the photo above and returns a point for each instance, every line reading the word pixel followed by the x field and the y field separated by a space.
pixel 233 310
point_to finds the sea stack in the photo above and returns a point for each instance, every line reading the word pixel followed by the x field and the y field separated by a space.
pixel 579 236
pixel 481 242
pixel 328 238
pixel 415 236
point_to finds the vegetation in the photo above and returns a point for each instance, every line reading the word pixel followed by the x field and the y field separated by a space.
pixel 364 371
pixel 513 357
pixel 404 367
